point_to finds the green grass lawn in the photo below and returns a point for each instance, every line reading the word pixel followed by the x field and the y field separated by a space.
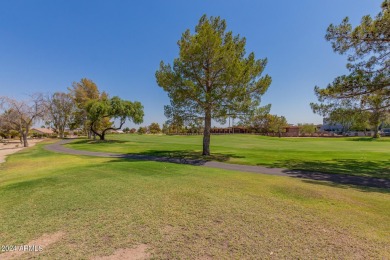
pixel 183 211
pixel 354 156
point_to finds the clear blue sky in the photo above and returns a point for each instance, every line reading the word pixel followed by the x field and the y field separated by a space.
pixel 46 45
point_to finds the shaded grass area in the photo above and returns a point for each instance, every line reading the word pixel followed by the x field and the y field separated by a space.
pixel 183 211
pixel 353 156
pixel 380 169
pixel 192 155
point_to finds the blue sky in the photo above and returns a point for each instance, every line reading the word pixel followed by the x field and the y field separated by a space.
pixel 46 45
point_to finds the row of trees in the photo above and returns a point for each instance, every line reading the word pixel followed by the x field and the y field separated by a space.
pixel 357 119
pixel 361 97
pixel 154 128
pixel 83 106
pixel 257 120
pixel 261 121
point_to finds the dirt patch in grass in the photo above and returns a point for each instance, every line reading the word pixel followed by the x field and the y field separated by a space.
pixel 137 253
pixel 38 244
pixel 13 147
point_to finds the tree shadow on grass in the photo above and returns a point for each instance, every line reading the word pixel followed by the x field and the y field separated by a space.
pixel 88 141
pixel 368 139
pixel 374 174
pixel 347 185
pixel 190 157
pixel 378 169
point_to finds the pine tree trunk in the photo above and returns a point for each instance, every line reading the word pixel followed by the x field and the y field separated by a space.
pixel 206 133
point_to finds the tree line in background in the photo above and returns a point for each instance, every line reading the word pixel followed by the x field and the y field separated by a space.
pixel 84 107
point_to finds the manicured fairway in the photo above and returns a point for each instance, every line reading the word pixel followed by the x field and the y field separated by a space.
pixel 354 156
pixel 182 211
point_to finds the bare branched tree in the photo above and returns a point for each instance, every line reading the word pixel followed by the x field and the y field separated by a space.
pixel 60 110
pixel 21 115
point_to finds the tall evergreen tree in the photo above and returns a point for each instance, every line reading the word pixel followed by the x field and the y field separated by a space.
pixel 213 75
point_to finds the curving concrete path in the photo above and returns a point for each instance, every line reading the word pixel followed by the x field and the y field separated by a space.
pixel 334 178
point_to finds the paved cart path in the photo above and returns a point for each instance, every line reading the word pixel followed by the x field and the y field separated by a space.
pixel 335 178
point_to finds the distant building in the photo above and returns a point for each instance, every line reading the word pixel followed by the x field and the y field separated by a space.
pixel 329 127
pixel 229 130
pixel 291 131
pixel 116 131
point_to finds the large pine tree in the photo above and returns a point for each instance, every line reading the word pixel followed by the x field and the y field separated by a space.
pixel 213 76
